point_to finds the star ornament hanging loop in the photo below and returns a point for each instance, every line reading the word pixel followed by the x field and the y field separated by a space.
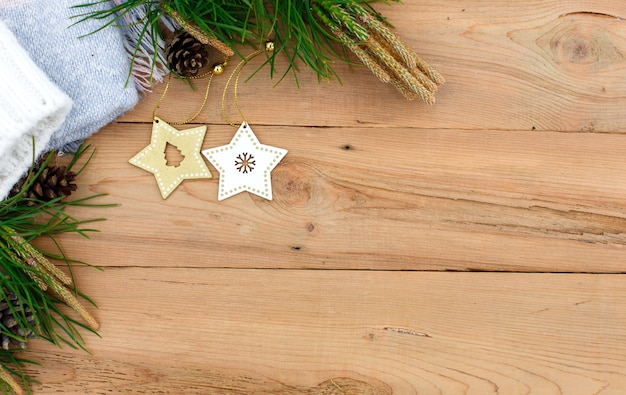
pixel 152 157
pixel 245 164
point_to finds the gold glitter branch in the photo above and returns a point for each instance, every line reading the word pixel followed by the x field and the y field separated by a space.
pixel 361 53
pixel 10 381
pixel 45 274
pixel 378 48
pixel 197 32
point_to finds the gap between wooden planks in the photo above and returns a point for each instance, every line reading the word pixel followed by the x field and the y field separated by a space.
pixel 532 65
pixel 230 331
pixel 518 167
pixel 397 199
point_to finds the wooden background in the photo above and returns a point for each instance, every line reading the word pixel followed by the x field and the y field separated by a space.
pixel 477 246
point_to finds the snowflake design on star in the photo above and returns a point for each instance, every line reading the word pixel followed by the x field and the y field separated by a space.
pixel 248 154
pixel 245 162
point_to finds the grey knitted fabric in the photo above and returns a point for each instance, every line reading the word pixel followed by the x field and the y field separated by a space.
pixel 92 70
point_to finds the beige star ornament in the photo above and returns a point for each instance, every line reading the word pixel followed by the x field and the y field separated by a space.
pixel 188 142
pixel 245 164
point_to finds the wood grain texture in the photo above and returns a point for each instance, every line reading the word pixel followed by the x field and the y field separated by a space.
pixel 230 331
pixel 355 278
pixel 525 65
pixel 364 198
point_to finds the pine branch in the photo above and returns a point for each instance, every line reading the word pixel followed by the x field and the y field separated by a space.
pixel 306 31
pixel 37 285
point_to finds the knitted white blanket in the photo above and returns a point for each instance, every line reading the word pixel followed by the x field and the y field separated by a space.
pixel 92 69
pixel 31 109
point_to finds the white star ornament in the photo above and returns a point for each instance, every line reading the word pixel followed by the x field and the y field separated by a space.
pixel 245 164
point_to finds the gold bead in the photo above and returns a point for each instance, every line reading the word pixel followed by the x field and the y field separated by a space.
pixel 269 46
pixel 218 69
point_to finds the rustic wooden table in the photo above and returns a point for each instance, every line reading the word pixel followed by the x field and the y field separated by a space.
pixel 477 246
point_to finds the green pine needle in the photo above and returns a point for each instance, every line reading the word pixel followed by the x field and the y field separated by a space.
pixel 297 32
pixel 53 321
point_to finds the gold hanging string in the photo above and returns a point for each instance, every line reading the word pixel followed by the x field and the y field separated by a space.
pixel 210 73
pixel 269 47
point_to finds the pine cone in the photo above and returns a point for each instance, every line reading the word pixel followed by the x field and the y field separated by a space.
pixel 8 322
pixel 53 182
pixel 185 54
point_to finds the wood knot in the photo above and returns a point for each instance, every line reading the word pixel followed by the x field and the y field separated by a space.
pixel 579 50
pixel 583 42
pixel 291 184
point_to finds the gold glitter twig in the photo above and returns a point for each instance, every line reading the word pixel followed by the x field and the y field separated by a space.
pixel 403 89
pixel 197 32
pixel 7 378
pixel 71 301
pixel 46 274
pixel 415 72
pixel 35 259
pixel 344 18
pixel 402 73
pixel 364 57
pixel 403 51
pixel 428 70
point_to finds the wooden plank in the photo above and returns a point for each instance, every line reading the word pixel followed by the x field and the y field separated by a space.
pixel 360 198
pixel 520 166
pixel 532 65
pixel 220 331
